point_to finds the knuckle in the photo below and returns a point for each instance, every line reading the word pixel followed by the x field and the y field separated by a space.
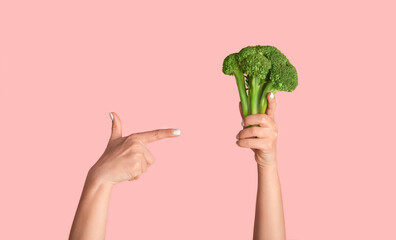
pixel 274 135
pixel 136 166
pixel 275 126
pixel 144 169
pixel 263 118
pixel 135 146
pixel 132 137
pixel 150 160
pixel 269 145
pixel 137 155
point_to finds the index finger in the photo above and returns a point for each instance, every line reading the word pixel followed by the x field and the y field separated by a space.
pixel 155 135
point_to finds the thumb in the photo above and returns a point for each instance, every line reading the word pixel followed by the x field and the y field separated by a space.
pixel 271 107
pixel 116 129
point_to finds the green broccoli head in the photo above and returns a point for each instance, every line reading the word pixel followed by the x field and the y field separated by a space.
pixel 267 70
pixel 283 78
pixel 230 64
pixel 273 54
pixel 253 63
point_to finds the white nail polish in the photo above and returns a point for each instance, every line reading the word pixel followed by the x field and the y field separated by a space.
pixel 242 123
pixel 271 95
pixel 176 132
pixel 111 116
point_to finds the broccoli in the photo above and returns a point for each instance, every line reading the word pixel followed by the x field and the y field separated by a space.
pixel 259 70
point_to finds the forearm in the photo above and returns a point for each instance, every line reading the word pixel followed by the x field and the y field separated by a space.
pixel 269 220
pixel 91 215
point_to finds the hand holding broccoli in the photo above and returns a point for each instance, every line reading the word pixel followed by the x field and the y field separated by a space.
pixel 262 134
pixel 260 71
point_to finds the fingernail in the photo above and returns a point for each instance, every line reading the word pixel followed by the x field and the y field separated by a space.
pixel 271 95
pixel 237 136
pixel 242 123
pixel 176 132
pixel 111 116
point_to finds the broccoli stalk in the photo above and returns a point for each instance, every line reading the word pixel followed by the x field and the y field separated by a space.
pixel 263 100
pixel 240 79
pixel 255 87
pixel 266 70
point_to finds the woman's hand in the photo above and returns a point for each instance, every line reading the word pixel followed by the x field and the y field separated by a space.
pixel 262 137
pixel 126 158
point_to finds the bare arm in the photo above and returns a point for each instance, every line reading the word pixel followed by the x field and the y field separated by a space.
pixel 269 221
pixel 125 158
pixel 91 216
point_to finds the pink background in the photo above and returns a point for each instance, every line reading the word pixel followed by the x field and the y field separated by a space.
pixel 65 64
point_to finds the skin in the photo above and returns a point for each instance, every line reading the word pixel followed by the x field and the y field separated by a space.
pixel 269 221
pixel 124 159
pixel 127 158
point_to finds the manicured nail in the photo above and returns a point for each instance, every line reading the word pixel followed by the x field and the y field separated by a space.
pixel 242 123
pixel 176 132
pixel 271 95
pixel 111 116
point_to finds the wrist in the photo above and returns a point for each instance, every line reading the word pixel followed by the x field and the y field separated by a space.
pixel 267 160
pixel 266 168
pixel 94 180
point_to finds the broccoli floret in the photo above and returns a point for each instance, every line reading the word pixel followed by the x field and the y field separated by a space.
pixel 264 69
pixel 231 67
